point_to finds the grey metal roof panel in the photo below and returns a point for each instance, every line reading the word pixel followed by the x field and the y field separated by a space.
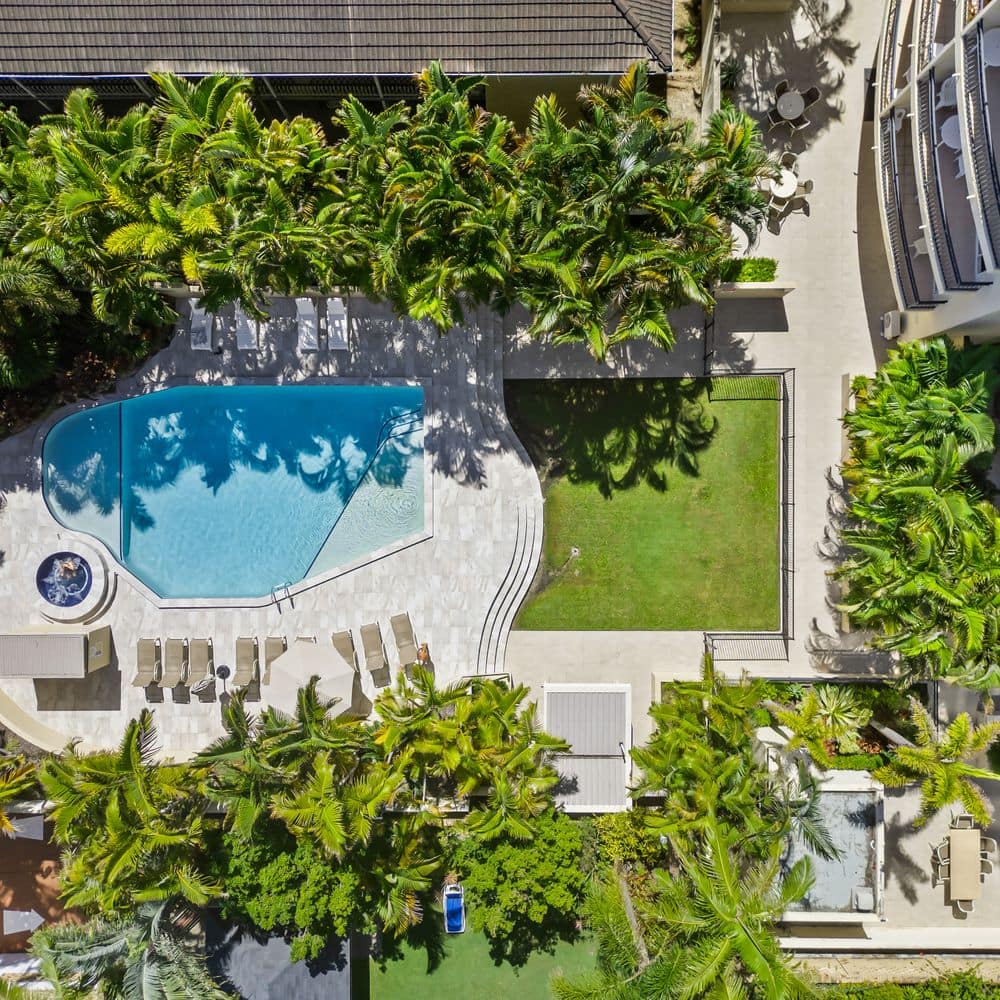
pixel 592 784
pixel 592 722
pixel 391 37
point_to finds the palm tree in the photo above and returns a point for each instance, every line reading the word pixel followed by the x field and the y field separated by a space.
pixel 140 956
pixel 704 935
pixel 939 763
pixel 133 828
pixel 18 778
pixel 827 713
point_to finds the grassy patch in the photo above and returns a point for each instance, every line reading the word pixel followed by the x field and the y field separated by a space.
pixel 670 497
pixel 466 969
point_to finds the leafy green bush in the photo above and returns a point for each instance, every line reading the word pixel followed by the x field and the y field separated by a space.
pixel 761 717
pixel 958 986
pixel 290 887
pixel 749 269
pixel 623 838
pixel 524 895
pixel 859 761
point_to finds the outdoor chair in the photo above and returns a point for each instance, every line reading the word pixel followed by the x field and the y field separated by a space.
pixel 175 659
pixel 305 311
pixel 336 324
pixel 798 204
pixel 804 188
pixel 942 872
pixel 201 328
pixel 147 655
pixel 788 160
pixel 201 665
pixel 246 330
pixel 406 643
pixel 985 866
pixel 798 124
pixel 782 88
pixel 963 821
pixel 774 119
pixel 987 845
pixel 274 646
pixel 965 906
pixel 375 662
pixel 940 852
pixel 343 643
pixel 811 96
pixel 247 664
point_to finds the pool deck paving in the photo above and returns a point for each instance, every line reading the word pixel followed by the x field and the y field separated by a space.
pixel 455 585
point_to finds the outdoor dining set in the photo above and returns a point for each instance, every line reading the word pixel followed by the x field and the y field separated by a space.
pixel 787 193
pixel 962 861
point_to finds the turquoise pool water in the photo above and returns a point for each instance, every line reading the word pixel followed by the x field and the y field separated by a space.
pixel 232 491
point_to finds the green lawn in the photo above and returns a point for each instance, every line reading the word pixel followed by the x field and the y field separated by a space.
pixel 467 971
pixel 670 496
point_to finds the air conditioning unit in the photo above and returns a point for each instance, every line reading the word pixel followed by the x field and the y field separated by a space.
pixel 892 324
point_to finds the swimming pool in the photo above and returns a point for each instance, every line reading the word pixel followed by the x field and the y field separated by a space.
pixel 234 491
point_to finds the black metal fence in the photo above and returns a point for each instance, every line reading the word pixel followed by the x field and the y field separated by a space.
pixel 778 384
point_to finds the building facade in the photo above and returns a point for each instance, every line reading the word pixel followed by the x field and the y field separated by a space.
pixel 937 122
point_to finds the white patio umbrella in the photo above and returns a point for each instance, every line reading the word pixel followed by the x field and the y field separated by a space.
pixel 297 664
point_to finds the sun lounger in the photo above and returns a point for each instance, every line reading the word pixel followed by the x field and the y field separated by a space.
pixel 201 328
pixel 343 643
pixel 406 644
pixel 305 311
pixel 246 330
pixel 375 661
pixel 147 656
pixel 201 665
pixel 274 646
pixel 336 325
pixel 247 664
pixel 175 659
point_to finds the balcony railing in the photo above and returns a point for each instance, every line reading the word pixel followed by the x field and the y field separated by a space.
pixel 931 177
pixel 930 10
pixel 895 228
pixel 888 53
pixel 977 113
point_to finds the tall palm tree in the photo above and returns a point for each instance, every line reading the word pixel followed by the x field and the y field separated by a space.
pixel 703 935
pixel 939 763
pixel 133 828
pixel 140 956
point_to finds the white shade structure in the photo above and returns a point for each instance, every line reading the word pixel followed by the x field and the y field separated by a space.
pixel 297 664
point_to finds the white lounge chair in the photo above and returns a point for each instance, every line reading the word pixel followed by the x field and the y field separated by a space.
pixel 175 663
pixel 305 311
pixel 246 330
pixel 148 665
pixel 202 323
pixel 336 324
pixel 247 663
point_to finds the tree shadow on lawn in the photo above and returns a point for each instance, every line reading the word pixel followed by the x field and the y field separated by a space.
pixel 616 434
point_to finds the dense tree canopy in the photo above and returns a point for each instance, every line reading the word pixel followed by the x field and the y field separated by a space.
pixel 600 228
pixel 922 566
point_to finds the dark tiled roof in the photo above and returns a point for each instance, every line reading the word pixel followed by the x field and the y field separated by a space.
pixel 332 37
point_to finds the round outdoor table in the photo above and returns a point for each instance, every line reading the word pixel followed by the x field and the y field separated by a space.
pixel 785 186
pixel 790 105
pixel 951 133
pixel 991 47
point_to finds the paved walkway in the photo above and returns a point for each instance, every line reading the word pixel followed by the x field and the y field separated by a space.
pixel 458 586
pixel 826 328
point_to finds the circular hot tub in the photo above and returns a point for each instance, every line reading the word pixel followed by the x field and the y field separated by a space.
pixel 64 579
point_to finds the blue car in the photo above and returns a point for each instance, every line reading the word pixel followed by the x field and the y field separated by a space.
pixel 454 909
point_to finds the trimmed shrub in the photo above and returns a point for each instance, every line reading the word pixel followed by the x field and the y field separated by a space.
pixel 750 269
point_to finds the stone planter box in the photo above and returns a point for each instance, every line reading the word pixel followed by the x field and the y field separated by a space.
pixel 753 290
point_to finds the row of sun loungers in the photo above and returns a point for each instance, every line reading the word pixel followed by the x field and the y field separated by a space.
pixel 191 662
pixel 250 331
